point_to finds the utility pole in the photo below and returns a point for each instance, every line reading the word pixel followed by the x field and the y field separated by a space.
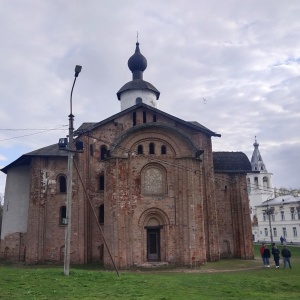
pixel 69 184
pixel 269 212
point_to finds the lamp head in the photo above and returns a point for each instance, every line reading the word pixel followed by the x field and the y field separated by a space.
pixel 77 70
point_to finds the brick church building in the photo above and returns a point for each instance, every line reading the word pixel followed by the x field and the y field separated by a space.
pixel 148 179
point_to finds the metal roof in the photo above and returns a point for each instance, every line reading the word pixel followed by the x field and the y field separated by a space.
pixel 25 159
pixel 227 162
pixel 138 84
pixel 192 124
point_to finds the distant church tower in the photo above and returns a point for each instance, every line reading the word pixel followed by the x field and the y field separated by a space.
pixel 260 186
pixel 138 90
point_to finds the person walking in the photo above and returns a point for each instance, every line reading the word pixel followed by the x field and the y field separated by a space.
pixel 266 257
pixel 261 250
pixel 276 255
pixel 286 254
pixel 281 240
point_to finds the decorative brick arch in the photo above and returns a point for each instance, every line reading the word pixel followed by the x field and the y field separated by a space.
pixel 152 214
pixel 157 219
pixel 151 132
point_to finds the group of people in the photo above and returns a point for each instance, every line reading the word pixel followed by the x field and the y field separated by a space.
pixel 266 254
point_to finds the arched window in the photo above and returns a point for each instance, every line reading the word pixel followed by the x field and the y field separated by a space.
pixel 63 216
pixel 255 182
pixel 151 148
pixel 154 118
pixel 153 180
pixel 140 149
pixel 144 117
pixel 265 182
pixel 62 184
pixel 103 152
pixel 163 149
pixel 101 182
pixel 101 214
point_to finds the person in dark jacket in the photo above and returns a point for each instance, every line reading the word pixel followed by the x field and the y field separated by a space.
pixel 276 255
pixel 286 254
pixel 281 240
pixel 266 257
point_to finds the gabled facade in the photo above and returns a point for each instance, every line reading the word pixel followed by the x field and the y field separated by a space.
pixel 149 179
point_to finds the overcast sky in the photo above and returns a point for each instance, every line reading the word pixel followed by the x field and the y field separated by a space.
pixel 242 57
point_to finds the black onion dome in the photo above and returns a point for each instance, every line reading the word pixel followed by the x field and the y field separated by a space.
pixel 137 63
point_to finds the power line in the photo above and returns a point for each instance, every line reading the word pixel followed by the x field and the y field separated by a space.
pixel 25 129
pixel 25 135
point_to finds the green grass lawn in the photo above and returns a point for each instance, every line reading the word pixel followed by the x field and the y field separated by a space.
pixel 227 279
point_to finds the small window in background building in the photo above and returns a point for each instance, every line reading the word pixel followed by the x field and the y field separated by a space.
pixel 293 215
pixel 284 232
pixel 91 150
pixel 163 149
pixel 144 117
pixel 295 231
pixel 154 118
pixel 256 182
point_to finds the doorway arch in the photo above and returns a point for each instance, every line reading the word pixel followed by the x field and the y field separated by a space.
pixel 154 224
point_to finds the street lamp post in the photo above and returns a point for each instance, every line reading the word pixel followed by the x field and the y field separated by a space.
pixel 69 184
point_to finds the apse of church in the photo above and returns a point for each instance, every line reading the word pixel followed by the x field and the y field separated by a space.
pixel 149 179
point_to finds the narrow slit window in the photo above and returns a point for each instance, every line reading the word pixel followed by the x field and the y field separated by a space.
pixel 101 183
pixel 151 148
pixel 134 118
pixel 103 152
pixel 62 184
pixel 154 118
pixel 163 149
pixel 144 117
pixel 101 214
pixel 63 216
pixel 140 149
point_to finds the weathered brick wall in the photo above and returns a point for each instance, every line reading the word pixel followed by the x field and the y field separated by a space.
pixel 46 236
pixel 13 247
pixel 181 208
pixel 233 216
pixel 198 220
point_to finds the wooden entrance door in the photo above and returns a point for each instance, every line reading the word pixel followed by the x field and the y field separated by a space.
pixel 153 244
